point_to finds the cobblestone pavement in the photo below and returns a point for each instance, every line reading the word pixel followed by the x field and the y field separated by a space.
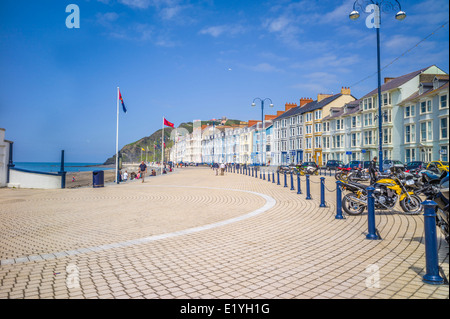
pixel 192 234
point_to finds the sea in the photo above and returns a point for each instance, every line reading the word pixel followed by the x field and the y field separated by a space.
pixel 50 167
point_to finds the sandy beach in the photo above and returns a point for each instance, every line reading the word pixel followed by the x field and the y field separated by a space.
pixel 82 179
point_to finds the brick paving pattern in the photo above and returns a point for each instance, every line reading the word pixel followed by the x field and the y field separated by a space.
pixel 192 234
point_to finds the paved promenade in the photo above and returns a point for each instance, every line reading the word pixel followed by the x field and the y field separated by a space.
pixel 191 234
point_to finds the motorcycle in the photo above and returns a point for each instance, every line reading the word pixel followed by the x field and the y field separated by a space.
pixel 342 173
pixel 358 174
pixel 436 189
pixel 388 191
pixel 308 170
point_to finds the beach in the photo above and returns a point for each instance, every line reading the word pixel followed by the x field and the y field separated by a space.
pixel 83 179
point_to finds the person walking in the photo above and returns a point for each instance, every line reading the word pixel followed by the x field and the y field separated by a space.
pixel 125 176
pixel 373 171
pixel 222 168
pixel 142 170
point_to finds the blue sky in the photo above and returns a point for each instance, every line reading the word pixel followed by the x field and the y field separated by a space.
pixel 187 60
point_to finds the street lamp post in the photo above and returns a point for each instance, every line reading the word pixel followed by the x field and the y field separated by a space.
pixel 376 7
pixel 262 124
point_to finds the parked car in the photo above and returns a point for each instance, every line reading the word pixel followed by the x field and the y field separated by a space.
pixel 415 165
pixel 387 164
pixel 334 164
pixel 366 164
pixel 438 166
pixel 313 164
pixel 354 164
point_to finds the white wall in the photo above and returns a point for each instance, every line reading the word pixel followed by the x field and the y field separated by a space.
pixel 4 157
pixel 33 180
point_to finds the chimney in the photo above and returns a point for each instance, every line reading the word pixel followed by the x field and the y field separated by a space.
pixel 279 113
pixel 345 91
pixel 305 100
pixel 289 106
pixel 269 117
pixel 386 80
pixel 321 96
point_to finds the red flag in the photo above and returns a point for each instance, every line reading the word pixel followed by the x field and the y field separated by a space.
pixel 123 104
pixel 167 123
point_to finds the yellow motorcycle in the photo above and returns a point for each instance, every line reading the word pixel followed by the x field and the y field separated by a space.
pixel 388 191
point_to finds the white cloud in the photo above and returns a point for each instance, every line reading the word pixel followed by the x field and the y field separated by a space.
pixel 216 31
pixel 264 67
pixel 140 4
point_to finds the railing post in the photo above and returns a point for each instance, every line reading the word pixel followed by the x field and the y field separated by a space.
pixel 299 191
pixel 273 177
pixel 308 189
pixel 371 214
pixel 278 177
pixel 292 182
pixel 431 248
pixel 285 179
pixel 264 175
pixel 322 192
pixel 62 172
pixel 256 172
pixel 268 176
pixel 338 201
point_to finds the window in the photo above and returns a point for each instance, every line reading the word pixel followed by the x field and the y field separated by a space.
pixel 410 155
pixel 388 116
pixel 355 121
pixel 318 114
pixel 326 126
pixel 340 124
pixel 308 117
pixel 386 99
pixel 368 119
pixel 410 111
pixel 425 106
pixel 355 139
pixel 426 131
pixel 326 142
pixel 443 153
pixel 309 142
pixel 410 133
pixel 443 101
pixel 308 129
pixel 338 141
pixel 444 127
pixel 367 104
pixel 318 142
pixel 318 128
pixel 368 140
pixel 387 136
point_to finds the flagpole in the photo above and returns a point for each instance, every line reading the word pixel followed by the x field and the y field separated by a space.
pixel 162 141
pixel 117 138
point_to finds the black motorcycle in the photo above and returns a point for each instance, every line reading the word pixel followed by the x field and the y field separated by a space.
pixel 358 175
pixel 436 189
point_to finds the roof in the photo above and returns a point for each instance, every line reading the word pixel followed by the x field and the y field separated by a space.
pixel 416 95
pixel 310 107
pixel 352 107
pixel 396 82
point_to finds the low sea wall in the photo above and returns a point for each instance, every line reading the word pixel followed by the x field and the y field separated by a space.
pixel 29 179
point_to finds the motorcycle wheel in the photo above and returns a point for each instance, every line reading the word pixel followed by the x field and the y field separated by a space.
pixel 413 206
pixel 350 206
